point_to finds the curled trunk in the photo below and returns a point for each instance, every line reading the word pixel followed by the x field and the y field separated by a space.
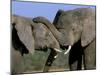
pixel 52 28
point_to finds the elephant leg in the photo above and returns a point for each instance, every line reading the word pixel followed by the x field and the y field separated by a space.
pixel 75 61
pixel 75 57
pixel 50 60
pixel 90 56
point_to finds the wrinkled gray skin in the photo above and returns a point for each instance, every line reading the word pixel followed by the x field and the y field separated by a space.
pixel 28 36
pixel 76 28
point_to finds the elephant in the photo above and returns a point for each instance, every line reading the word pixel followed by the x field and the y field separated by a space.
pixel 75 29
pixel 28 36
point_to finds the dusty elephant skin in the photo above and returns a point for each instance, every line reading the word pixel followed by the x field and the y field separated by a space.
pixel 75 28
pixel 28 36
pixel 80 28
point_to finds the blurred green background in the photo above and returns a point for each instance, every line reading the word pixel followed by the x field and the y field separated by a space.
pixel 35 63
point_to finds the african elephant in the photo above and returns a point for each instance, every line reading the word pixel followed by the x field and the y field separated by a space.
pixel 76 29
pixel 28 36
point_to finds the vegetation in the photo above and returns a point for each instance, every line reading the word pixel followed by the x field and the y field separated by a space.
pixel 35 63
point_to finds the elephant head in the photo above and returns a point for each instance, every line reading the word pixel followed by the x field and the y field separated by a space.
pixel 77 24
pixel 71 26
pixel 22 33
pixel 28 35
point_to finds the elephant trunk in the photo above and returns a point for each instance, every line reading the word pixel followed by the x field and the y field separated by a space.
pixel 50 26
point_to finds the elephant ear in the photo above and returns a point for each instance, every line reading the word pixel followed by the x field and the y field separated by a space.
pixel 57 16
pixel 88 33
pixel 24 32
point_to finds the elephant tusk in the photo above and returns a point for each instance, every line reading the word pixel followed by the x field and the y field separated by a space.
pixel 57 50
pixel 69 48
pixel 55 56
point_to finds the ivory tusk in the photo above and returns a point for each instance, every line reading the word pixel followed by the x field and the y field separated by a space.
pixel 69 48
pixel 55 56
pixel 57 50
